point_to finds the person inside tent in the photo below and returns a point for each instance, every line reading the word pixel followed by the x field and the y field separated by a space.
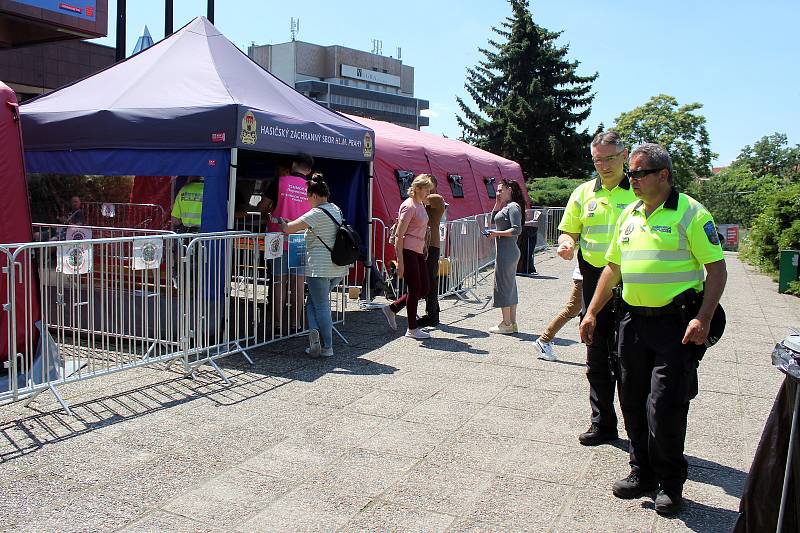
pixel 187 211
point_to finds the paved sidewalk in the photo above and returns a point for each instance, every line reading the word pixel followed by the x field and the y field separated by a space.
pixel 464 432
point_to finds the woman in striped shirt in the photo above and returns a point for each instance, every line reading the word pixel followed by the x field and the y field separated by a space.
pixel 322 275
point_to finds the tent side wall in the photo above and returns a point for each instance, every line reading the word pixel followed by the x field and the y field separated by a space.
pixel 15 226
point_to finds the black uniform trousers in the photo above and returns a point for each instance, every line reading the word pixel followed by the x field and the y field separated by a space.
pixel 432 299
pixel 598 354
pixel 658 377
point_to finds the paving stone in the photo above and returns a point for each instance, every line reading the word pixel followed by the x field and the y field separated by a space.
pixel 308 509
pixel 407 438
pixel 389 404
pixel 473 450
pixel 437 412
pixel 445 490
pixel 592 510
pixel 229 498
pixel 387 516
pixel 294 459
pixel 518 503
pixel 547 462
pixel 160 522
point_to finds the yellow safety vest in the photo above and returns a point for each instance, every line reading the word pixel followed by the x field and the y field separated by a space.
pixel 662 255
pixel 188 205
pixel 592 212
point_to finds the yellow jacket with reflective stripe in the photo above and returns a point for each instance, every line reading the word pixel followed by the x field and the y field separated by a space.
pixel 592 212
pixel 188 205
pixel 662 255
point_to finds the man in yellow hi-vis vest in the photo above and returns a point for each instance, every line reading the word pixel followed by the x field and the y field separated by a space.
pixel 588 224
pixel 187 211
pixel 661 246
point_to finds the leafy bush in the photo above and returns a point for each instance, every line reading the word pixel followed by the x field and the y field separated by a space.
pixel 551 192
pixel 776 228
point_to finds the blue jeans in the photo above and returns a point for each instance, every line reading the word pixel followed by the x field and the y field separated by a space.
pixel 318 307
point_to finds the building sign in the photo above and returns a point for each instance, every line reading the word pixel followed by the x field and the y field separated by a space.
pixel 85 9
pixel 365 74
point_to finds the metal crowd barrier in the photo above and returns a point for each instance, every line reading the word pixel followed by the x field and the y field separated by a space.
pixel 81 309
pixel 127 215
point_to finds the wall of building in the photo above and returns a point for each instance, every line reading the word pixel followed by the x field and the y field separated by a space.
pixel 38 69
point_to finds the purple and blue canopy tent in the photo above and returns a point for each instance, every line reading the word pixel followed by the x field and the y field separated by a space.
pixel 187 106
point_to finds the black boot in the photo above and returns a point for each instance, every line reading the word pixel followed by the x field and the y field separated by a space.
pixel 635 485
pixel 597 435
pixel 668 501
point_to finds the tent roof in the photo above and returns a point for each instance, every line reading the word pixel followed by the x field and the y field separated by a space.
pixel 190 90
pixel 391 137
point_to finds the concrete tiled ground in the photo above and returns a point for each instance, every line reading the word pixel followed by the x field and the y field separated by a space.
pixel 463 432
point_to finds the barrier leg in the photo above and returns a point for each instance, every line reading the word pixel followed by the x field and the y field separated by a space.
pixel 220 372
pixel 52 389
pixel 339 333
pixel 244 353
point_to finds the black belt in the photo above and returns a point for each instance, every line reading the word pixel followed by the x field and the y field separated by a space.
pixel 667 310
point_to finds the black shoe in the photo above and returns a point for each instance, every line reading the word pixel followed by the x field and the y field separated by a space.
pixel 427 321
pixel 597 435
pixel 634 485
pixel 668 501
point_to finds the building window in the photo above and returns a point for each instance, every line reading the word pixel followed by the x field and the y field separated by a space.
pixel 455 185
pixel 490 188
pixel 404 179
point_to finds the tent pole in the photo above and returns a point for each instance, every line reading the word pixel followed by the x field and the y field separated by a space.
pixel 370 236
pixel 232 186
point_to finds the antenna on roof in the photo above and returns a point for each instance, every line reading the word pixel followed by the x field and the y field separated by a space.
pixel 399 53
pixel 377 46
pixel 294 28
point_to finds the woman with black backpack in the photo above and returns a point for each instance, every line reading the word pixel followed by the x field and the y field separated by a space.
pixel 321 223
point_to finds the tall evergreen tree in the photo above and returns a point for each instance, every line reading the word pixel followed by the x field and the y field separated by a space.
pixel 530 100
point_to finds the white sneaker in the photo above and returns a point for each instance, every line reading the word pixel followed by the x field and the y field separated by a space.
pixel 314 346
pixel 418 334
pixel 390 317
pixel 326 352
pixel 545 350
pixel 502 329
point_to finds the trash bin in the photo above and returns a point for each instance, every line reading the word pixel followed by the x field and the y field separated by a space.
pixel 789 270
pixel 771 497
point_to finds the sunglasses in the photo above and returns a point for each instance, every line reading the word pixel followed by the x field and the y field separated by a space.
pixel 636 175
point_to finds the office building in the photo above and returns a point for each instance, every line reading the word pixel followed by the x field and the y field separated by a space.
pixel 347 80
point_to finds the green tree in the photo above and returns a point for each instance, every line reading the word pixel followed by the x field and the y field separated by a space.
pixel 735 195
pixel 677 128
pixel 771 155
pixel 530 100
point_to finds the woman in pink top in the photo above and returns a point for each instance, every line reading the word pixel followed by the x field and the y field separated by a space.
pixel 412 225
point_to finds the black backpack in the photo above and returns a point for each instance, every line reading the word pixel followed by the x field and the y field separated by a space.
pixel 347 246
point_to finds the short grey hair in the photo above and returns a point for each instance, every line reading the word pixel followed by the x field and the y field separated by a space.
pixel 611 138
pixel 655 155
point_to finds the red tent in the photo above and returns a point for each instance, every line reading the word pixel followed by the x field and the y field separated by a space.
pixel 15 224
pixel 399 149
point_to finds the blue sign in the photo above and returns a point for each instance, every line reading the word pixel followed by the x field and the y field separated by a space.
pixel 84 9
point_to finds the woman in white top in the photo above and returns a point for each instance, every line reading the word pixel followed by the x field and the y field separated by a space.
pixel 321 223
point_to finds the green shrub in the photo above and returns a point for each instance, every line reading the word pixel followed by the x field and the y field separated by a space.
pixel 551 192
pixel 776 228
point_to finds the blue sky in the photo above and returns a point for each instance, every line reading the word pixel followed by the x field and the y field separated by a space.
pixel 737 58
